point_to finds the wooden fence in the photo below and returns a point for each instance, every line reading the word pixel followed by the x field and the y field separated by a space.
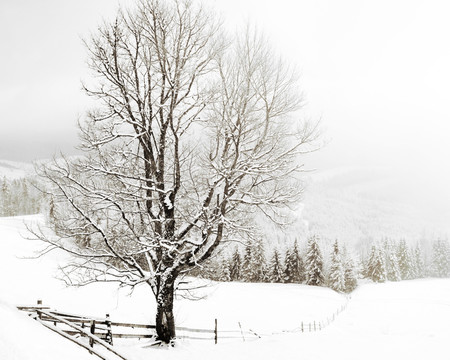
pixel 107 330
pixel 319 325
pixel 103 331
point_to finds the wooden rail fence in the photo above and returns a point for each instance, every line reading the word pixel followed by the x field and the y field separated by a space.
pixel 107 330
pixel 100 330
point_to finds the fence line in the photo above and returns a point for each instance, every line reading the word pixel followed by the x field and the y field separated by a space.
pixel 102 328
pixel 320 325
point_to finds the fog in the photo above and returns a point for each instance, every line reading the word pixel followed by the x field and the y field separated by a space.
pixel 375 72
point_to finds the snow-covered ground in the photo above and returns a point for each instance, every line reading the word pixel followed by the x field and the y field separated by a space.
pixel 406 320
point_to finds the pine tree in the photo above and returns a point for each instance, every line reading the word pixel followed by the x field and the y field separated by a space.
pixel 258 261
pixel 391 260
pixel 225 274
pixel 376 270
pixel 393 270
pixel 24 207
pixel 314 263
pixel 298 267
pixel 420 267
pixel 6 199
pixel 441 265
pixel 350 275
pixel 413 272
pixel 247 263
pixel 336 279
pixel 288 276
pixel 235 266
pixel 404 260
pixel 276 273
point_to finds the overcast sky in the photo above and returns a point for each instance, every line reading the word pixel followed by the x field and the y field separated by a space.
pixel 376 72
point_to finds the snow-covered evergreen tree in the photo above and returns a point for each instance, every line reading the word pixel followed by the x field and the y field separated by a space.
pixel 298 266
pixel 294 268
pixel 350 275
pixel 413 271
pixel 288 275
pixel 275 268
pixel 393 270
pixel 258 261
pixel 5 208
pixel 235 265
pixel 336 278
pixel 225 274
pixel 420 265
pixel 375 268
pixel 247 263
pixel 391 260
pixel 404 260
pixel 314 263
pixel 441 259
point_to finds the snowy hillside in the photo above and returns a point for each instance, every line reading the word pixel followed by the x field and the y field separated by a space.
pixel 361 205
pixel 388 321
pixel 15 170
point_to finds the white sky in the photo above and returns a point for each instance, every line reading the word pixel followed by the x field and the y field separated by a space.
pixel 376 72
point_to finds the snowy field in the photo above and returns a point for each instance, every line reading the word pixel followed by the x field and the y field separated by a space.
pixel 406 320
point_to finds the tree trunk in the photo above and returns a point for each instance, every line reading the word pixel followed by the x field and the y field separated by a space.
pixel 165 322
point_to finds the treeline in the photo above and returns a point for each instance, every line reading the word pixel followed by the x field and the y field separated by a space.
pixel 19 197
pixel 388 260
pixel 395 261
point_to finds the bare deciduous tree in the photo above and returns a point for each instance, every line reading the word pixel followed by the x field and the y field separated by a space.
pixel 193 135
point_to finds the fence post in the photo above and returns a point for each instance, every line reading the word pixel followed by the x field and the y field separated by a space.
pixel 215 331
pixel 242 333
pixel 39 302
pixel 91 341
pixel 302 326
pixel 314 325
pixel 109 337
pixel 320 326
pixel 82 326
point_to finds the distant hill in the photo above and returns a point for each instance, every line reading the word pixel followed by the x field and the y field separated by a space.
pixel 361 205
pixel 12 170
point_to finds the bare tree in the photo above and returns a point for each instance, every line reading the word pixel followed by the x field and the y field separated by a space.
pixel 193 135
